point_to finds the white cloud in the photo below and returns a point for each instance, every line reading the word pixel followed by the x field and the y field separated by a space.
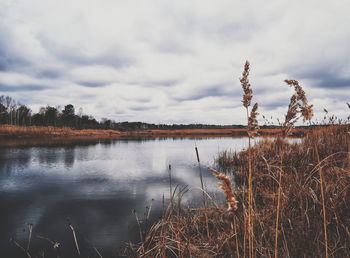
pixel 174 61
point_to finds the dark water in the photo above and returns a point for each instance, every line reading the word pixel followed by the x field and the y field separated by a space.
pixel 95 187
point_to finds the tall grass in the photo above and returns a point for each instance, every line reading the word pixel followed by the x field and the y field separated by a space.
pixel 252 130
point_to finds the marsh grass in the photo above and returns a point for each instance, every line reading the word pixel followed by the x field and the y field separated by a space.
pixel 298 201
pixel 182 232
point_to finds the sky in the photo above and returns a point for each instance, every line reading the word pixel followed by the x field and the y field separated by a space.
pixel 161 61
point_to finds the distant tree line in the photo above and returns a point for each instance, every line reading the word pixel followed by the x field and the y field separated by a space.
pixel 14 113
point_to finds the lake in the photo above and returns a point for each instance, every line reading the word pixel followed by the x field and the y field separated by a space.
pixel 95 187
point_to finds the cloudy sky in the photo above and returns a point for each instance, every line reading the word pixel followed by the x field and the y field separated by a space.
pixel 177 61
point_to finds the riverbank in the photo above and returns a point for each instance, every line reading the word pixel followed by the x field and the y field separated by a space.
pixel 12 131
pixel 15 132
pixel 301 203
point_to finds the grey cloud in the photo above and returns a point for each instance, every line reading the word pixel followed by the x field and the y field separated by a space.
pixel 142 108
pixel 49 73
pixel 334 82
pixel 28 87
pixel 92 84
pixel 8 61
pixel 117 57
pixel 325 78
pixel 275 104
pixel 106 59
pixel 221 90
pixel 158 83
pixel 177 63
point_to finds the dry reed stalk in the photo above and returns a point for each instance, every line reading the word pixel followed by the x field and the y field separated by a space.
pixel 323 203
pixel 30 231
pixel 98 253
pixel 253 127
pixel 75 239
pixel 298 105
pixel 201 176
pixel 226 186
pixel 22 248
pixel 278 211
pixel 235 231
pixel 139 225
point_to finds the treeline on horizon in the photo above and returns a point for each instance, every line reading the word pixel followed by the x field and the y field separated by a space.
pixel 14 113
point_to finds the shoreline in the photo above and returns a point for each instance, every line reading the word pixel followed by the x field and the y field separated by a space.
pixel 26 132
pixel 16 136
pixel 32 137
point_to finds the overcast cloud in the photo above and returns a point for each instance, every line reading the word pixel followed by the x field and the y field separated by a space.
pixel 174 61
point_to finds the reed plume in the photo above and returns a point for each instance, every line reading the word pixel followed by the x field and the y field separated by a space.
pixel 226 186
pixel 248 93
pixel 253 125
pixel 298 105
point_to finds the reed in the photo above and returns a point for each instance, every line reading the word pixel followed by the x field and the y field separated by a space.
pixel 75 238
pixel 226 186
pixel 182 232
pixel 297 108
pixel 298 196
pixel 252 129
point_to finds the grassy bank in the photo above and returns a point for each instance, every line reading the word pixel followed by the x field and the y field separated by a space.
pixel 12 131
pixel 211 132
pixel 301 196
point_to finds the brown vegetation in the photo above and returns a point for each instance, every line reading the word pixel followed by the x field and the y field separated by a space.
pixel 42 131
pixel 291 199
pixel 34 132
pixel 212 132
pixel 216 232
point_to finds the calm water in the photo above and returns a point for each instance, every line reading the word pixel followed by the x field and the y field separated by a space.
pixel 96 187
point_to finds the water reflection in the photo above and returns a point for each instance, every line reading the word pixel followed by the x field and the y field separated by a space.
pixel 96 186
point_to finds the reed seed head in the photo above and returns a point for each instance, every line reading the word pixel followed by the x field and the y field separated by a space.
pixel 248 93
pixel 226 185
pixel 298 104
pixel 253 125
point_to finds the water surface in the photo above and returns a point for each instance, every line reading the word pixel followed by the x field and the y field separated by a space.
pixel 96 187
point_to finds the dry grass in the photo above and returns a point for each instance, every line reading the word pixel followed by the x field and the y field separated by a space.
pixel 12 131
pixel 40 131
pixel 298 201
pixel 226 186
pixel 183 232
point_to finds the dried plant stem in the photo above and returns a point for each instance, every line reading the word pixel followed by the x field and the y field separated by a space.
pixel 75 239
pixel 235 228
pixel 250 194
pixel 139 225
pixel 323 203
pixel 201 176
pixel 170 186
pixel 250 203
pixel 278 210
pixel 21 247
pixel 30 231
pixel 98 253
